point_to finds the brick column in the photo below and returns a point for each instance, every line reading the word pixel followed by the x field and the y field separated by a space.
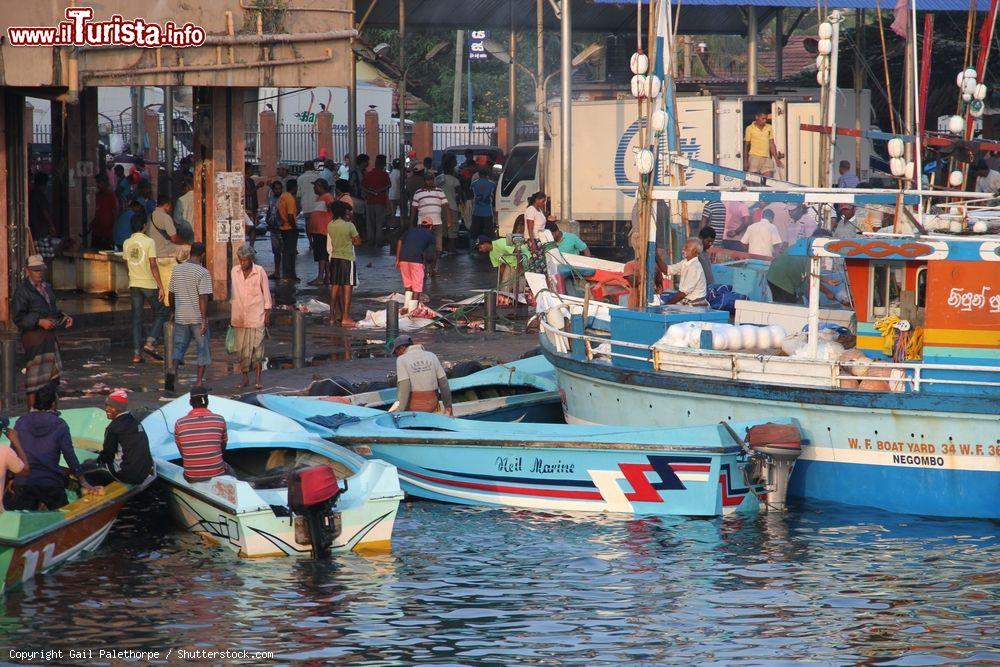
pixel 423 139
pixel 151 144
pixel 267 146
pixel 371 134
pixel 324 134
pixel 504 140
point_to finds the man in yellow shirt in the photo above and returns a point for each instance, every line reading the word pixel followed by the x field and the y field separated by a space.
pixel 144 284
pixel 759 147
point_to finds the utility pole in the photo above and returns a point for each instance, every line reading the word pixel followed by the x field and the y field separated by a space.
pixel 751 50
pixel 540 101
pixel 352 108
pixel 456 95
pixel 566 67
pixel 512 84
pixel 401 93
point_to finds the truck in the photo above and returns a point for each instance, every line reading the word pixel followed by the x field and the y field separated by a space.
pixel 605 135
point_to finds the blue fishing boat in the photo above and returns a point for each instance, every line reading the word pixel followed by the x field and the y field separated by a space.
pixel 257 511
pixel 693 471
pixel 908 422
pixel 523 390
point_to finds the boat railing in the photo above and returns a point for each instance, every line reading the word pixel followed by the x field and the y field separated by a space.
pixel 760 367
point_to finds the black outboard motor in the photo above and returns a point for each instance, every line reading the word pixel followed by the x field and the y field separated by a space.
pixel 312 493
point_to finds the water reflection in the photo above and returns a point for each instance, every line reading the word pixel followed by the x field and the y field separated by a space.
pixel 467 586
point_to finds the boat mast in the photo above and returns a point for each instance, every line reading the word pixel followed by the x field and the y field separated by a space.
pixel 834 19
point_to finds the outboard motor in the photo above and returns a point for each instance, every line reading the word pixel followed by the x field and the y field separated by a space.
pixel 312 493
pixel 775 448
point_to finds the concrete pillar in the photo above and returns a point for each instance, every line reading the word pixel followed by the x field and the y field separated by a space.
pixel 151 145
pixel 371 134
pixel 267 144
pixel 6 283
pixel 423 139
pixel 324 136
pixel 504 139
pixel 81 158
pixel 60 168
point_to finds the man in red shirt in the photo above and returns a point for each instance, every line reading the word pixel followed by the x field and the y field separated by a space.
pixel 201 439
pixel 316 223
pixel 376 184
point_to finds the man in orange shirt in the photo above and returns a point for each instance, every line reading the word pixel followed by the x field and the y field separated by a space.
pixel 316 225
pixel 287 211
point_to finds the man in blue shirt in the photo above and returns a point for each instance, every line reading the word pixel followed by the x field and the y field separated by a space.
pixel 567 242
pixel 123 225
pixel 44 437
pixel 412 251
pixel 483 190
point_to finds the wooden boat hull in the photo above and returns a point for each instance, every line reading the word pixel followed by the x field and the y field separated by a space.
pixel 902 453
pixel 39 542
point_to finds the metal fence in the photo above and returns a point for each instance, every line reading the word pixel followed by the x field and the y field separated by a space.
pixel 41 134
pixel 447 135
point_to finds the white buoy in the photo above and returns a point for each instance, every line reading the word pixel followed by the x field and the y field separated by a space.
pixel 653 86
pixel 966 97
pixel 825 46
pixel 823 77
pixel 821 62
pixel 956 227
pixel 956 178
pixel 897 166
pixel 896 147
pixel 658 120
pixel 956 124
pixel 909 170
pixel 639 85
pixel 960 78
pixel 971 73
pixel 968 86
pixel 644 161
pixel 825 30
pixel 639 63
pixel 980 227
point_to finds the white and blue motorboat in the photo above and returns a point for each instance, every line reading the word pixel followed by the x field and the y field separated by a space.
pixel 254 512
pixel 919 435
pixel 692 471
pixel 523 390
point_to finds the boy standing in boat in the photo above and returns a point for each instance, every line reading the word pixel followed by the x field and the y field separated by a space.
pixel 420 379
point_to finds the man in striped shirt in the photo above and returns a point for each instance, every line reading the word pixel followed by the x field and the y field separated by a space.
pixel 201 439
pixel 714 215
pixel 431 203
pixel 191 285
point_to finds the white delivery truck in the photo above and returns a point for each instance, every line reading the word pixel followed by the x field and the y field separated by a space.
pixel 605 135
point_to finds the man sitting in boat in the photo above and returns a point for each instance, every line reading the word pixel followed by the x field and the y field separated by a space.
pixel 692 289
pixel 420 379
pixel 44 437
pixel 125 456
pixel 12 459
pixel 201 438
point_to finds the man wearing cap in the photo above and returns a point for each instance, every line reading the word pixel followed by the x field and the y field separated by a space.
pixel 37 316
pixel 420 379
pixel 125 456
pixel 412 250
pixel 201 438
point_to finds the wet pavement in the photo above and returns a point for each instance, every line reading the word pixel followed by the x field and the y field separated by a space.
pixel 98 356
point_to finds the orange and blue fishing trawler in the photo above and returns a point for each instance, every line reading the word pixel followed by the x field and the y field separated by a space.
pixel 908 422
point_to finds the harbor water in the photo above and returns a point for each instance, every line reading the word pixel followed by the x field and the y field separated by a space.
pixel 466 586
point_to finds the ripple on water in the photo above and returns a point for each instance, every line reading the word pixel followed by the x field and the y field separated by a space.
pixel 468 586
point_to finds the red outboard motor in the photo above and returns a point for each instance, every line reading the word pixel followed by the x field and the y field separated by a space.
pixel 777 446
pixel 312 493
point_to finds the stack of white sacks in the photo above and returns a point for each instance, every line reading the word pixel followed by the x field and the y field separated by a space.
pixel 749 338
